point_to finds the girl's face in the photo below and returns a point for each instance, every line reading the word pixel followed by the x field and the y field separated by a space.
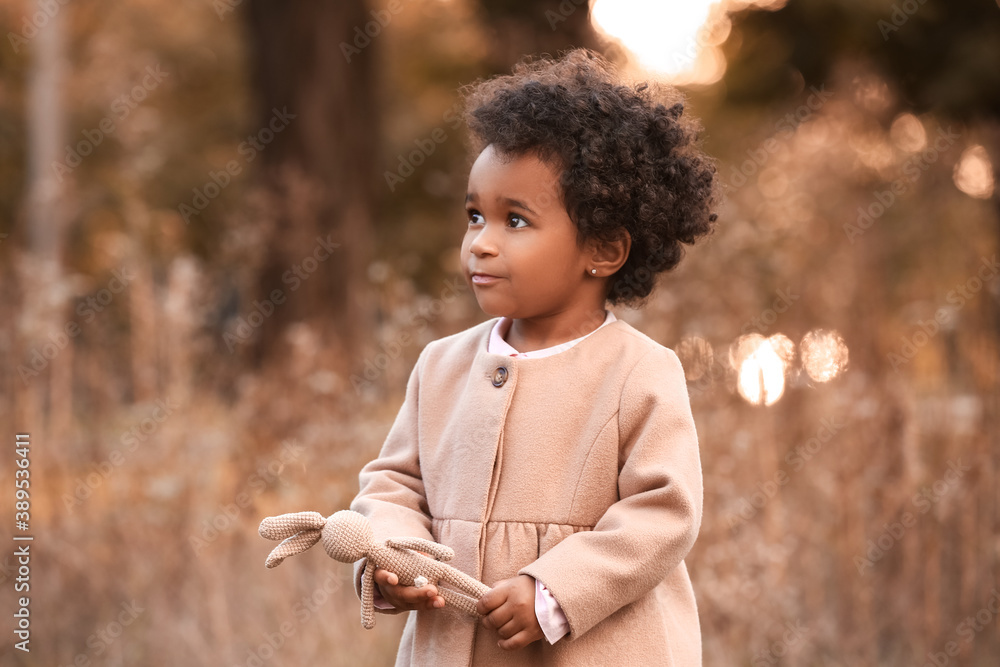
pixel 520 253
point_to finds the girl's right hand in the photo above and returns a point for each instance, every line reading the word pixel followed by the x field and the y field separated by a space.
pixel 406 597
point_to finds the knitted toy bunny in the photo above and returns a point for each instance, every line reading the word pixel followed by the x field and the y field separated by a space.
pixel 347 537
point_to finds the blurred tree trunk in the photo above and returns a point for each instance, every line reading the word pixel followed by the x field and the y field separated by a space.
pixel 44 298
pixel 46 136
pixel 318 167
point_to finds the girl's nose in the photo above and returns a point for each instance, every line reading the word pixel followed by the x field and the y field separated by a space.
pixel 484 243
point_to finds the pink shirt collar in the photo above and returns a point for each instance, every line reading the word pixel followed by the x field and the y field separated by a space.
pixel 498 345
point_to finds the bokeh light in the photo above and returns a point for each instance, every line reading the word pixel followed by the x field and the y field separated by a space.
pixel 973 174
pixel 696 357
pixel 824 354
pixel 908 133
pixel 784 348
pixel 761 369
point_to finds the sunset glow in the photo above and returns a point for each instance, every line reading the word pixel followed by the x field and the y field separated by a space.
pixel 679 41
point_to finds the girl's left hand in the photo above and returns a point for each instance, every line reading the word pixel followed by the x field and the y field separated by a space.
pixel 509 608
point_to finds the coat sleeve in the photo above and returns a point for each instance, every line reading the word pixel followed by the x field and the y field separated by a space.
pixel 651 528
pixel 391 487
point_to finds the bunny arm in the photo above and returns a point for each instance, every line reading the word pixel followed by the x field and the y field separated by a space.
pixel 463 583
pixel 460 601
pixel 439 551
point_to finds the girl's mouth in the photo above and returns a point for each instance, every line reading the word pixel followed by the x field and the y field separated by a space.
pixel 484 279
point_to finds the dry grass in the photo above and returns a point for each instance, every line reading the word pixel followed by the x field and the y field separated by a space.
pixel 793 564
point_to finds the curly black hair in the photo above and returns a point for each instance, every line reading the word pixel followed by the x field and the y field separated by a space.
pixel 629 161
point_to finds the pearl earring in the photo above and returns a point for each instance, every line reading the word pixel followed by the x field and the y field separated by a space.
pixel 593 270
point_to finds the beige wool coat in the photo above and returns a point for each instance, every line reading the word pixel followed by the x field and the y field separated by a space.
pixel 580 469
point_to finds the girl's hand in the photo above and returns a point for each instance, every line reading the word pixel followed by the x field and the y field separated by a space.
pixel 406 597
pixel 509 608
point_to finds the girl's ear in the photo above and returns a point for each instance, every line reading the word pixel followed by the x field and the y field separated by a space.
pixel 608 256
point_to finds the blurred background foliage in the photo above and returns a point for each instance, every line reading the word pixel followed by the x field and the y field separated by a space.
pixel 228 227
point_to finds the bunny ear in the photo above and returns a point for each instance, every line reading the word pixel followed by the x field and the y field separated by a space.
pixel 295 544
pixel 286 525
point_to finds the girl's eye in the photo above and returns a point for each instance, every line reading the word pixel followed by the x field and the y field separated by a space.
pixel 475 217
pixel 514 218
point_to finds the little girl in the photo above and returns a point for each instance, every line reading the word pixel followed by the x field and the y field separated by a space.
pixel 553 446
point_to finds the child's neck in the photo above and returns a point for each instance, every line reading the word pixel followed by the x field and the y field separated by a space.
pixel 537 333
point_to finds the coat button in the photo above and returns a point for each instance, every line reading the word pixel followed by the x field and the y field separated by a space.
pixel 499 376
